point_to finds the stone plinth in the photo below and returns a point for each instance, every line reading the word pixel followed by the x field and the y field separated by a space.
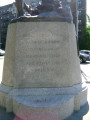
pixel 41 77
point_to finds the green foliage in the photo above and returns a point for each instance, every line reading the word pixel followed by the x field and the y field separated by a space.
pixel 86 37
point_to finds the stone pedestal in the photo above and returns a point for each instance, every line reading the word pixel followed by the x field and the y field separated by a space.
pixel 41 77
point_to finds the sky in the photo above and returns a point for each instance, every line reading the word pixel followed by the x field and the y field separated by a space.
pixel 88 7
pixel 5 2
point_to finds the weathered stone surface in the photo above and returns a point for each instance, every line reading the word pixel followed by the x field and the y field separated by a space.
pixel 42 71
pixel 46 49
pixel 40 49
pixel 9 61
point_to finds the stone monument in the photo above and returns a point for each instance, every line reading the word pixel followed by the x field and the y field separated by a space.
pixel 41 76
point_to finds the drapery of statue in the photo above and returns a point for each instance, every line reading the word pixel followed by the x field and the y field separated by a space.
pixel 41 74
pixel 46 9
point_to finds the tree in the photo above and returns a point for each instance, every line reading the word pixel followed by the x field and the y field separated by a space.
pixel 86 37
pixel 84 41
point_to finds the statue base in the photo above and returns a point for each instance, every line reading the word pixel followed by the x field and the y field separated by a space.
pixel 41 76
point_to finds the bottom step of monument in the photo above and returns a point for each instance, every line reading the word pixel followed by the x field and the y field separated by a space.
pixel 43 103
pixel 43 108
